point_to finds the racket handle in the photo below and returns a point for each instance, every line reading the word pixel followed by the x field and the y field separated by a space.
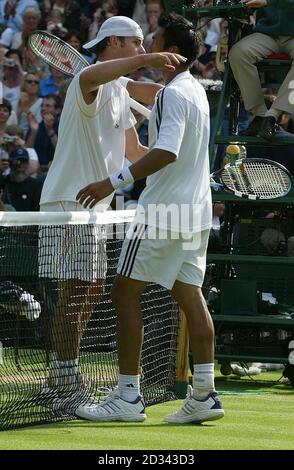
pixel 215 185
pixel 140 108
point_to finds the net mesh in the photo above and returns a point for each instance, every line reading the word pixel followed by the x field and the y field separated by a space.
pixel 257 179
pixel 44 311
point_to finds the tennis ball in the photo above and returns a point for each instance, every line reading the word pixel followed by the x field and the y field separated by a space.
pixel 233 149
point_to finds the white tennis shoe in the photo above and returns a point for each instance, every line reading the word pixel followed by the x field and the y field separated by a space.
pixel 242 371
pixel 197 411
pixel 113 408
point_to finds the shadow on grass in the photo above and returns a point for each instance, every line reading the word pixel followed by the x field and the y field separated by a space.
pixel 120 425
pixel 264 383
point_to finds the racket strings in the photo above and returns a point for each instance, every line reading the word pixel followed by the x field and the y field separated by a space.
pixel 270 179
pixel 58 54
pixel 255 178
pixel 62 56
pixel 267 180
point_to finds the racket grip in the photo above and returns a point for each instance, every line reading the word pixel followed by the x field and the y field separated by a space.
pixel 140 108
pixel 215 185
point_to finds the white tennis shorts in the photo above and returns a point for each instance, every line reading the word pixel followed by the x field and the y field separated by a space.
pixel 154 255
pixel 72 251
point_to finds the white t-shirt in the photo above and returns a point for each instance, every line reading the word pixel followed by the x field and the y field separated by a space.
pixel 178 197
pixel 32 154
pixel 12 95
pixel 12 120
pixel 91 142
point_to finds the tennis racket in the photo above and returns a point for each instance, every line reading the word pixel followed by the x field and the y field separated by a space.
pixel 253 178
pixel 63 57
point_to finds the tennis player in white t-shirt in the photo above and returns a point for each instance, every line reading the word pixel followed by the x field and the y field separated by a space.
pixel 170 251
pixel 96 131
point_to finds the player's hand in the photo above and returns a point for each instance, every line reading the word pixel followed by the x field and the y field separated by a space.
pixel 164 60
pixel 256 3
pixel 94 192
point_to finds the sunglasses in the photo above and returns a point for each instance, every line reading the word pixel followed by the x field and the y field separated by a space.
pixel 32 82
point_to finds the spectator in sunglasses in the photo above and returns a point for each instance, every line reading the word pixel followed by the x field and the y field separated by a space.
pixel 29 101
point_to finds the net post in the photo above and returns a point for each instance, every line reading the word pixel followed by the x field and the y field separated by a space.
pixel 182 360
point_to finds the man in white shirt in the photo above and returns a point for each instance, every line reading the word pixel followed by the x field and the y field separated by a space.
pixel 169 249
pixel 96 131
pixel 17 39
pixel 13 77
pixel 11 12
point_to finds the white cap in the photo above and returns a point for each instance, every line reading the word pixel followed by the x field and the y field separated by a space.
pixel 116 26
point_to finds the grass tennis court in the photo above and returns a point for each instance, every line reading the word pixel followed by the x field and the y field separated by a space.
pixel 259 415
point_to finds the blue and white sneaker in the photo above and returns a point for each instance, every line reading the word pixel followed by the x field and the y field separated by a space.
pixel 197 411
pixel 113 408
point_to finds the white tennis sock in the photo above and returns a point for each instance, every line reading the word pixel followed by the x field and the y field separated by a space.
pixel 129 387
pixel 203 380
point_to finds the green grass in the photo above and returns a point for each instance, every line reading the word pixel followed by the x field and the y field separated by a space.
pixel 259 415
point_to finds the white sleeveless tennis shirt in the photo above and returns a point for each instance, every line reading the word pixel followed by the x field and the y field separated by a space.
pixel 91 142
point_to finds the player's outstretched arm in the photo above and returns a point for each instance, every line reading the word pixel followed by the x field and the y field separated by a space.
pixel 95 75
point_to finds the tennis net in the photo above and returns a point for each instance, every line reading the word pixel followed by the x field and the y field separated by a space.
pixel 57 327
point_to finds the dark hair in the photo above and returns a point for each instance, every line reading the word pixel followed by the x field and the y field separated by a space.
pixel 181 33
pixel 6 104
pixel 56 98
pixel 102 45
pixel 74 33
pixel 11 52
